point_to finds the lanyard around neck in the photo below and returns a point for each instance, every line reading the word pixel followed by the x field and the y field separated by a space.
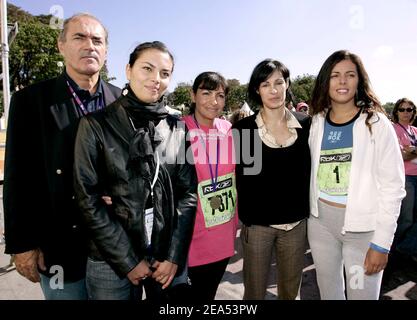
pixel 213 177
pixel 411 135
pixel 80 103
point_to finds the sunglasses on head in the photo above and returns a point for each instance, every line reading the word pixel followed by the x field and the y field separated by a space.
pixel 406 109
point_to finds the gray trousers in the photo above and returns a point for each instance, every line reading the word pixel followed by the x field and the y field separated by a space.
pixel 334 253
pixel 259 243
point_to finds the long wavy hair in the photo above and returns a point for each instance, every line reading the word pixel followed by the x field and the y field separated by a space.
pixel 364 97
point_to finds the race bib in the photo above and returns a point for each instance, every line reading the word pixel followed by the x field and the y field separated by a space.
pixel 334 170
pixel 226 193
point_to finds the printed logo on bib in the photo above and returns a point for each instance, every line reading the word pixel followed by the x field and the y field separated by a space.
pixel 225 204
pixel 219 186
pixel 333 172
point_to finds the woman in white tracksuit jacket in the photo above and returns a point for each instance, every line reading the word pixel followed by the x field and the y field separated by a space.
pixel 357 181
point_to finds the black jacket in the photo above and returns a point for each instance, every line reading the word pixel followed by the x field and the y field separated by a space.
pixel 101 166
pixel 39 207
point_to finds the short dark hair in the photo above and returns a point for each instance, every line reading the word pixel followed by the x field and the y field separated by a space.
pixel 398 104
pixel 63 34
pixel 158 45
pixel 208 80
pixel 262 72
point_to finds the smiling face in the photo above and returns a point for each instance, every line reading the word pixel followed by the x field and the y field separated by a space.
pixel 273 91
pixel 150 75
pixel 344 81
pixel 84 47
pixel 209 104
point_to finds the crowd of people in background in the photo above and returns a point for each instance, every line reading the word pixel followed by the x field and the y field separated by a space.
pixel 110 196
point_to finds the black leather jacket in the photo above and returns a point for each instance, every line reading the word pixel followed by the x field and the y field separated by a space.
pixel 117 232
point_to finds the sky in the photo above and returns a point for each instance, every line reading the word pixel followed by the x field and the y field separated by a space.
pixel 233 36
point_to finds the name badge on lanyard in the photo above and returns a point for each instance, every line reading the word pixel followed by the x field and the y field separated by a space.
pixel 148 216
pixel 218 194
pixel 149 224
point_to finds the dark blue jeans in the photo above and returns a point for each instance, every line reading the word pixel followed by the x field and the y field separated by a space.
pixel 406 234
pixel 70 291
pixel 104 284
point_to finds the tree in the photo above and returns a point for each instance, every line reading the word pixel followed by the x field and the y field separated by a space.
pixel 15 14
pixel 104 74
pixel 233 82
pixel 302 87
pixel 34 55
pixel 181 95
pixel 236 96
pixel 389 106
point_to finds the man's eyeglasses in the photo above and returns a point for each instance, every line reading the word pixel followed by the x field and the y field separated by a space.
pixel 407 109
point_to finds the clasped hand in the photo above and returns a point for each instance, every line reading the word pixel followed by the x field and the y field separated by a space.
pixel 164 272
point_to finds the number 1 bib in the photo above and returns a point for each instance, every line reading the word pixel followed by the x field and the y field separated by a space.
pixel 334 170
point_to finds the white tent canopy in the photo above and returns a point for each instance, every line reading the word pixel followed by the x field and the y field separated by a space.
pixel 245 107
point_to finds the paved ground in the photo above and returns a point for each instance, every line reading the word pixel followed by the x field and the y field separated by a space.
pixel 399 281
pixel 399 285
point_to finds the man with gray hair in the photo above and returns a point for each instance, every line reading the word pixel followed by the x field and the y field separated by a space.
pixel 42 222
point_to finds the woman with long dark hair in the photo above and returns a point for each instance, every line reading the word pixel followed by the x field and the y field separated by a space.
pixel 357 181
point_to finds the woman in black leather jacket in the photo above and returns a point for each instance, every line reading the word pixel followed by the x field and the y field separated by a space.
pixel 134 152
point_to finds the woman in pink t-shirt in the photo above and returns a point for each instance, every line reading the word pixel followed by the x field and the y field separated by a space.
pixel 213 238
pixel 404 113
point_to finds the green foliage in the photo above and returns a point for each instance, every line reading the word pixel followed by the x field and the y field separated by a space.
pixel 236 96
pixel 34 55
pixel 389 106
pixel 16 14
pixel 181 95
pixel 44 18
pixel 104 74
pixel 302 87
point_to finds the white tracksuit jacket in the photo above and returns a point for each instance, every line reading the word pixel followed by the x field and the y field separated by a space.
pixel 376 186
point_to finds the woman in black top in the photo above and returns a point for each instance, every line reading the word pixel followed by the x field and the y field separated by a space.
pixel 134 152
pixel 272 177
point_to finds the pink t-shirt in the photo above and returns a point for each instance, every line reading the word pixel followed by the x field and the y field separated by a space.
pixel 211 243
pixel 405 140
